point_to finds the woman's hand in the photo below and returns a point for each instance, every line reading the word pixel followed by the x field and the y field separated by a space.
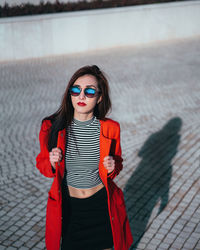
pixel 109 163
pixel 55 156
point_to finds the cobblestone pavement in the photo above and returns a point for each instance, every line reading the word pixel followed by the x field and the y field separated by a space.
pixel 155 92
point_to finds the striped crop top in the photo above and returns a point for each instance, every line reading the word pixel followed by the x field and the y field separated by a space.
pixel 83 153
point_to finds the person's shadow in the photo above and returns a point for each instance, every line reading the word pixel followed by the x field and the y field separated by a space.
pixel 150 182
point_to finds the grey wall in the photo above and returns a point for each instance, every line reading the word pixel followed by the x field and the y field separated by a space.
pixel 71 32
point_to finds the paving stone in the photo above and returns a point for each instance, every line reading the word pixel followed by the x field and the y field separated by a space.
pixel 3 248
pixel 8 244
pixel 25 238
pixel 19 223
pixel 13 228
pixel 18 243
pixel 164 245
pixel 20 232
pixel 30 233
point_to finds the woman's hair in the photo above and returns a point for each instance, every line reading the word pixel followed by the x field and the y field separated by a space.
pixel 63 116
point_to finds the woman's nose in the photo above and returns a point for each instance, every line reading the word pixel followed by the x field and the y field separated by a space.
pixel 82 94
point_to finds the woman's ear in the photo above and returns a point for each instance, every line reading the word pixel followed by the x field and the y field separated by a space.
pixel 100 99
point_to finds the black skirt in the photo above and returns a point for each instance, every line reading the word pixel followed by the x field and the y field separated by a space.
pixel 88 226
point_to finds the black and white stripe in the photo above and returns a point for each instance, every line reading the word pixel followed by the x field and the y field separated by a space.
pixel 83 153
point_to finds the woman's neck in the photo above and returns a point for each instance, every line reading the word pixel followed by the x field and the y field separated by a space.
pixel 83 117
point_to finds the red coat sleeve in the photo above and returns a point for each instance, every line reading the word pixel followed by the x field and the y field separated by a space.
pixel 116 153
pixel 42 160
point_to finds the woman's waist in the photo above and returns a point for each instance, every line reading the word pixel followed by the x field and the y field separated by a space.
pixel 84 192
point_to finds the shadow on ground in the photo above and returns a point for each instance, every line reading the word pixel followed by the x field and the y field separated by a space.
pixel 150 182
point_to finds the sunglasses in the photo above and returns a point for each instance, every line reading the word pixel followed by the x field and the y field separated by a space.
pixel 89 92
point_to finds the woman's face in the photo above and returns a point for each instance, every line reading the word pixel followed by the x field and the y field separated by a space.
pixel 85 111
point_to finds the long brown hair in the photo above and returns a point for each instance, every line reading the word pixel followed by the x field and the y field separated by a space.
pixel 64 115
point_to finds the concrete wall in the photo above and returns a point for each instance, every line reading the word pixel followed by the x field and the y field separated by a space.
pixel 54 34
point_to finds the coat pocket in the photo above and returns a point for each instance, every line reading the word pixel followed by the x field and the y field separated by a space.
pixel 51 201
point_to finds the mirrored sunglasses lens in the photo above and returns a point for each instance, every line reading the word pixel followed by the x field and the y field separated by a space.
pixel 89 92
pixel 75 91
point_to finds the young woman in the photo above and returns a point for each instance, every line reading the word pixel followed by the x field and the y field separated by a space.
pixel 80 149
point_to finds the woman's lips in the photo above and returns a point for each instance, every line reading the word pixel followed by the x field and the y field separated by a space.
pixel 81 103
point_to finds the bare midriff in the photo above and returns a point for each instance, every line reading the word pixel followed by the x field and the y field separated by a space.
pixel 84 193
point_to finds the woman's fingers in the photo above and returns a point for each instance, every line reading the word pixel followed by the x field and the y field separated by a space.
pixel 56 151
pixel 108 157
pixel 110 169
pixel 55 158
pixel 55 155
pixel 109 163
pixel 108 160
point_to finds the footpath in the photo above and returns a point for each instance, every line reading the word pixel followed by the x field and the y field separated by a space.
pixel 155 92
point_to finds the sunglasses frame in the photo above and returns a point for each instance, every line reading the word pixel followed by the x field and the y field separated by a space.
pixel 95 94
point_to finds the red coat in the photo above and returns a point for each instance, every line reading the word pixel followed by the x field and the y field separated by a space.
pixel 109 145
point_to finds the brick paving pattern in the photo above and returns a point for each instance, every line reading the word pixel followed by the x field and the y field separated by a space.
pixel 155 93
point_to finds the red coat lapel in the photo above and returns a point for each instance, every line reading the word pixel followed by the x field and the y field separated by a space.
pixel 105 144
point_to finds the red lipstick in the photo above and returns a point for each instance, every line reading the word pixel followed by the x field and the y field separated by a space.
pixel 81 103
